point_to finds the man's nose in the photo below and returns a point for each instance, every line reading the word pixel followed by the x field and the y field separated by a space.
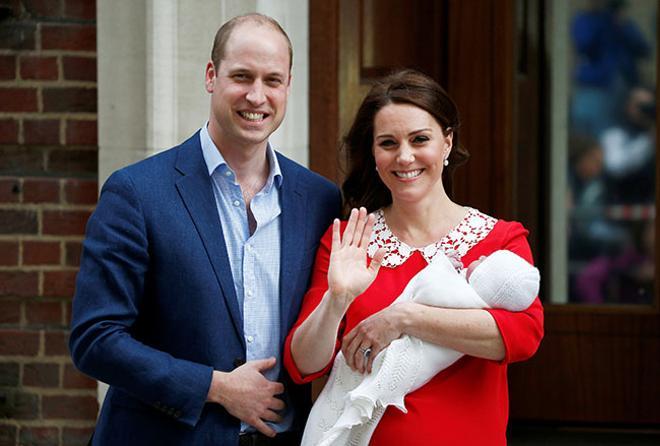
pixel 256 95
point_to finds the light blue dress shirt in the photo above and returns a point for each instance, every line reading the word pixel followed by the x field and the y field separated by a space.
pixel 254 259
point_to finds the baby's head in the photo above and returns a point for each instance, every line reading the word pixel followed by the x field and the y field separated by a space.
pixel 505 280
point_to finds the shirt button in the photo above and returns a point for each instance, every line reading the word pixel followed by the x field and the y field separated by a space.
pixel 250 339
pixel 249 293
pixel 237 203
pixel 227 173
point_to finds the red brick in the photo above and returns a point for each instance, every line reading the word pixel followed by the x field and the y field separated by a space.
pixel 68 309
pixel 59 283
pixel 65 222
pixel 19 342
pixel 73 379
pixel 9 190
pixel 79 68
pixel 81 191
pixel 19 283
pixel 41 375
pixel 43 313
pixel 69 163
pixel 76 436
pixel 56 343
pixel 8 131
pixel 17 36
pixel 39 436
pixel 9 373
pixel 8 434
pixel 81 132
pixel 21 160
pixel 69 407
pixel 40 68
pixel 41 253
pixel 20 405
pixel 38 190
pixel 18 222
pixel 80 9
pixel 68 37
pixel 43 8
pixel 10 311
pixel 41 131
pixel 8 253
pixel 72 100
pixel 18 99
pixel 7 68
pixel 73 251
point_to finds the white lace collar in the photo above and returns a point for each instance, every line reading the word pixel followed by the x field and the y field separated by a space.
pixel 473 228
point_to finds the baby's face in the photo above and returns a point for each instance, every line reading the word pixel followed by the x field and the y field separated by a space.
pixel 472 266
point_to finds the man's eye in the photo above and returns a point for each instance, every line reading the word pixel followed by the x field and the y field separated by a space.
pixel 275 82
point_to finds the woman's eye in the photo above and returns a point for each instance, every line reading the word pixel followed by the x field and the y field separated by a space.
pixel 420 139
pixel 387 143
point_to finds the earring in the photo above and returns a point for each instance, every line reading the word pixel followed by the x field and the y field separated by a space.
pixel 446 162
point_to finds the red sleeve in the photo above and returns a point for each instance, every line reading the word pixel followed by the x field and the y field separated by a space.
pixel 521 331
pixel 319 285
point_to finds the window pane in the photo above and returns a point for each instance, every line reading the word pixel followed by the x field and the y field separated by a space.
pixel 603 80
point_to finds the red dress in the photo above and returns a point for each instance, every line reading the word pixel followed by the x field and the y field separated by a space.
pixel 467 403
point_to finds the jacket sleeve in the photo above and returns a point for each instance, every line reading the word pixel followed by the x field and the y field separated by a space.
pixel 318 287
pixel 521 331
pixel 110 290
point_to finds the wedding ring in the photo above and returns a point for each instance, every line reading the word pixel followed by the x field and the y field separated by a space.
pixel 366 352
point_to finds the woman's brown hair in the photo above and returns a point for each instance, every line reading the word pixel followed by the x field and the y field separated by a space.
pixel 363 186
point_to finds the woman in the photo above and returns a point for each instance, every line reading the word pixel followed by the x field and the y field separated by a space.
pixel 402 149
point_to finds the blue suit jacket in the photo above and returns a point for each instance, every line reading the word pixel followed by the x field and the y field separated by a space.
pixel 155 311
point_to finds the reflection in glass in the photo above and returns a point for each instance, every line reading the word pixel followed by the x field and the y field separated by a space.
pixel 609 144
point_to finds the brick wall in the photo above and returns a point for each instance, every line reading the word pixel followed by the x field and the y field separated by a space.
pixel 48 170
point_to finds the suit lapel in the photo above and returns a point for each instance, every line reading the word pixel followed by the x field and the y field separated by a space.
pixel 196 191
pixel 292 242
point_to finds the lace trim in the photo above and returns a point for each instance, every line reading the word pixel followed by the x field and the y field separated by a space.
pixel 472 229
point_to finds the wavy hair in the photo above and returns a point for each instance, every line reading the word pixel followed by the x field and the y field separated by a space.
pixel 363 186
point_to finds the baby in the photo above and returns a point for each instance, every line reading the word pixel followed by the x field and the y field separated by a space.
pixel 351 404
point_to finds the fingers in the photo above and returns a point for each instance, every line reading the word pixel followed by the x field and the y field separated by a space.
pixel 369 226
pixel 359 227
pixel 377 261
pixel 370 362
pixel 347 239
pixel 276 404
pixel 336 237
pixel 271 416
pixel 263 364
pixel 351 352
pixel 262 427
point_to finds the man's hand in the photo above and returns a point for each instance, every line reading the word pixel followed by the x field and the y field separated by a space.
pixel 248 395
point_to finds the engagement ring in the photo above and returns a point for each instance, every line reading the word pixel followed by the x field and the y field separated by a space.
pixel 366 352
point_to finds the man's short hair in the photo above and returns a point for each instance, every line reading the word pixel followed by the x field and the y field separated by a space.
pixel 223 34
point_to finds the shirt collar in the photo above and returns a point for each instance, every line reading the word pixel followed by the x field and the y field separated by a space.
pixel 214 159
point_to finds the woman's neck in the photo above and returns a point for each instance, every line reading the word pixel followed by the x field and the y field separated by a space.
pixel 421 223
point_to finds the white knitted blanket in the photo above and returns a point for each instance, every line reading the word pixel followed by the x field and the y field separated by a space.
pixel 351 404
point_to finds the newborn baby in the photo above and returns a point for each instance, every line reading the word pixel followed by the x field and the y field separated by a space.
pixel 351 404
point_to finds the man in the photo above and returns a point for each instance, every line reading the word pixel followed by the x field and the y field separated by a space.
pixel 195 264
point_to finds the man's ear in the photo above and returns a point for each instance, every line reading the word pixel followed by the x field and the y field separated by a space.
pixel 209 78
